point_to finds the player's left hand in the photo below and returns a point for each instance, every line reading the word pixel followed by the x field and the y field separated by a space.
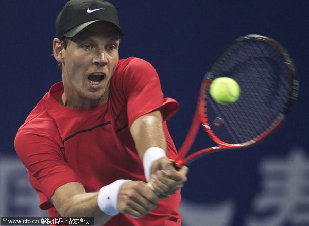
pixel 165 179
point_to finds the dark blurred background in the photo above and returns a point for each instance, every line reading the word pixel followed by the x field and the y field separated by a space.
pixel 265 185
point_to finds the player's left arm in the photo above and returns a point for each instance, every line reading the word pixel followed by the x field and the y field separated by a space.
pixel 148 135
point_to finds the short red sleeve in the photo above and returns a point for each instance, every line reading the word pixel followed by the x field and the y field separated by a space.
pixel 45 163
pixel 142 85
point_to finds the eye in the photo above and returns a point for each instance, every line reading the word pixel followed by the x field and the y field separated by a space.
pixel 112 47
pixel 86 46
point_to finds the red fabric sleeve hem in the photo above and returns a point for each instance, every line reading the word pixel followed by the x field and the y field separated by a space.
pixel 169 107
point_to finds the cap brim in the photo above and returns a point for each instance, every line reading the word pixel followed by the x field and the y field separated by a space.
pixel 71 33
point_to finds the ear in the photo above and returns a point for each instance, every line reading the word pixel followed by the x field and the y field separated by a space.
pixel 58 50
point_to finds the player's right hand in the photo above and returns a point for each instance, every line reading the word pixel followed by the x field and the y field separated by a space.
pixel 136 199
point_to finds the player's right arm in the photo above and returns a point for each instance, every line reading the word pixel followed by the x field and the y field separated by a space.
pixel 134 198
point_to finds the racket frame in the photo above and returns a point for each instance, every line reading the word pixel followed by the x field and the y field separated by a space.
pixel 200 116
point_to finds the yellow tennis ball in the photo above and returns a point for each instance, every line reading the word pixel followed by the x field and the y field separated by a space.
pixel 224 90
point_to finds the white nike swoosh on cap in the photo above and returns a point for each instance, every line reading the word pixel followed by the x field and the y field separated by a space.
pixel 93 10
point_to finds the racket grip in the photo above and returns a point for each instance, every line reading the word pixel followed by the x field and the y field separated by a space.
pixel 150 185
pixel 177 164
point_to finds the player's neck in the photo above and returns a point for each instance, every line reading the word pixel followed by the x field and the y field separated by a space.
pixel 82 103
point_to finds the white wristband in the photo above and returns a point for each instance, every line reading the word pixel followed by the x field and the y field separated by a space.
pixel 108 197
pixel 151 154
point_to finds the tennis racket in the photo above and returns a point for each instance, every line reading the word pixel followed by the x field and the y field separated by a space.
pixel 267 79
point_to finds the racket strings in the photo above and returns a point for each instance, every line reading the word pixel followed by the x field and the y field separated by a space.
pixel 261 72
pixel 261 82
pixel 273 82
pixel 237 128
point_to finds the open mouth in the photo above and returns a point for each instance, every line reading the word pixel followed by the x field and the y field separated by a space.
pixel 96 77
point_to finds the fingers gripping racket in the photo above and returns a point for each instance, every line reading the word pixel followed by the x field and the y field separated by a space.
pixel 267 79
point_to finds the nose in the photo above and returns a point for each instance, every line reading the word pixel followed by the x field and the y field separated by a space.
pixel 100 58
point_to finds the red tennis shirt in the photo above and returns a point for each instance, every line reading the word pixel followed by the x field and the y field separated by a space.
pixel 94 147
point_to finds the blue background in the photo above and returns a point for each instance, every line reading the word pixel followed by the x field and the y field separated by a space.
pixel 181 39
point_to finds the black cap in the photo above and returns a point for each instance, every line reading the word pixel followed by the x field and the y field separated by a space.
pixel 78 14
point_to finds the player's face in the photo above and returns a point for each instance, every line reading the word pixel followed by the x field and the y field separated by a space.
pixel 88 64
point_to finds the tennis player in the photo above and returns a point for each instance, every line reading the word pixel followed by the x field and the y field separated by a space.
pixel 97 144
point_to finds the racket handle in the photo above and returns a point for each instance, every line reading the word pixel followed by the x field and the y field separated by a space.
pixel 151 187
pixel 177 164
